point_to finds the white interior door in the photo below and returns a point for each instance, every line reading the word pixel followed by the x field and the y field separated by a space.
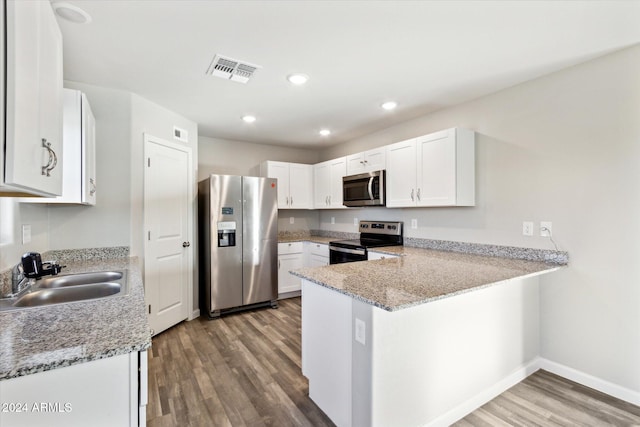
pixel 168 225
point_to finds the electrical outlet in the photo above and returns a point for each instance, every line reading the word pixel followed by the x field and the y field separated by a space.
pixel 291 220
pixel 333 220
pixel 355 221
pixel 546 229
pixel 361 331
pixel 26 233
pixel 527 228
pixel 414 223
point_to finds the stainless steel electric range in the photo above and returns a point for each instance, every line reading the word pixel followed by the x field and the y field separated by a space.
pixel 373 234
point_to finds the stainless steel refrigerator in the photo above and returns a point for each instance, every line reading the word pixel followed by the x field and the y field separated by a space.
pixel 238 243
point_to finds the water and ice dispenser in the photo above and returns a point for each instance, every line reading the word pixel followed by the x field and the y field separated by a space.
pixel 226 233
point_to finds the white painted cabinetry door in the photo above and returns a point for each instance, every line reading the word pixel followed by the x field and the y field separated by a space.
pixel 401 174
pixel 33 153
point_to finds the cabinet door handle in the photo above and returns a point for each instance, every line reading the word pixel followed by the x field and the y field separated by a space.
pixel 291 198
pixel 329 200
pixel 53 158
pixel 278 264
pixel 93 186
pixel 412 199
pixel 287 200
pixel 186 244
pixel 418 194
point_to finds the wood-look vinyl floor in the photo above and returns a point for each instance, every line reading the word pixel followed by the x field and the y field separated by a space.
pixel 545 399
pixel 244 369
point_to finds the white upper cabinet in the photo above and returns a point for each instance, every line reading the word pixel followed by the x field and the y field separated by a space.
pixel 295 183
pixel 79 139
pixel 402 174
pixel 367 161
pixel 33 133
pixel 327 179
pixel 432 170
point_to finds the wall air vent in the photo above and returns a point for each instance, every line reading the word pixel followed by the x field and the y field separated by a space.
pixel 231 69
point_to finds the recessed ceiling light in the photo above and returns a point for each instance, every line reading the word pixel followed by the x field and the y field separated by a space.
pixel 71 13
pixel 249 119
pixel 390 105
pixel 297 79
pixel 325 132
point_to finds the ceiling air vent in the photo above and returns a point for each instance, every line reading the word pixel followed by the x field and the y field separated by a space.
pixel 231 69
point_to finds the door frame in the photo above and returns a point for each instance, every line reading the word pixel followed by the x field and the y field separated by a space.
pixel 150 139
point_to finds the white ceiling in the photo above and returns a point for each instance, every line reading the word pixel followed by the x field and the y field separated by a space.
pixel 425 55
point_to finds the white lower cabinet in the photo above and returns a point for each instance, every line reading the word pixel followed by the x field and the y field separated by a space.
pixel 106 392
pixel 317 254
pixel 290 257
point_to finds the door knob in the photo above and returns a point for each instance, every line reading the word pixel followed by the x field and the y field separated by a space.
pixel 186 244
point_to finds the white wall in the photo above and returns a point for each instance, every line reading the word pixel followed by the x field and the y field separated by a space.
pixel 157 121
pixel 12 216
pixel 563 148
pixel 226 157
pixel 108 222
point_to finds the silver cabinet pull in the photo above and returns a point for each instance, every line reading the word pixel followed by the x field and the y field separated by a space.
pixel 412 199
pixel 186 244
pixel 418 194
pixel 279 262
pixel 287 200
pixel 93 186
pixel 53 158
pixel 329 200
pixel 291 200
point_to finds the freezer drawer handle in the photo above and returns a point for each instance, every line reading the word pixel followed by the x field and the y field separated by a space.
pixel 186 244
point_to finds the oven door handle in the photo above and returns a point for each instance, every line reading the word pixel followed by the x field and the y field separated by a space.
pixel 348 251
pixel 370 187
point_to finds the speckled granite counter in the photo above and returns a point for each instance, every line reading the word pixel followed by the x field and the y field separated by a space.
pixel 42 338
pixel 419 275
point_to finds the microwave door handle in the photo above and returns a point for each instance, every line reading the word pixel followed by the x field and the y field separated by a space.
pixel 371 188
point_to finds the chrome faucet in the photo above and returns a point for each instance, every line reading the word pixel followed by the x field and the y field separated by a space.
pixel 19 282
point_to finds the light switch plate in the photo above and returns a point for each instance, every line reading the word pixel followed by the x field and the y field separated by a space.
pixel 26 233
pixel 414 223
pixel 361 331
pixel 291 220
pixel 355 221
pixel 333 220
pixel 527 228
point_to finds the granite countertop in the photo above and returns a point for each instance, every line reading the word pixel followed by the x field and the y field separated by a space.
pixel 312 239
pixel 419 275
pixel 38 339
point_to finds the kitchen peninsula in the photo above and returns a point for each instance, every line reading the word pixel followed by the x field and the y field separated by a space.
pixel 420 339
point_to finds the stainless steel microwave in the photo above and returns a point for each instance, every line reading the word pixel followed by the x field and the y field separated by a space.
pixel 365 189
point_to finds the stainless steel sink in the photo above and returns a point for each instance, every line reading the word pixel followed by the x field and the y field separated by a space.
pixel 69 294
pixel 70 288
pixel 80 279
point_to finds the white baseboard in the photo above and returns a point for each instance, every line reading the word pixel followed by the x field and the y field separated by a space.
pixel 588 380
pixel 503 385
pixel 194 314
pixel 485 396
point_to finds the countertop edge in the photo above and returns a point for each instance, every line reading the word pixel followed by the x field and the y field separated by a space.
pixel 136 339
